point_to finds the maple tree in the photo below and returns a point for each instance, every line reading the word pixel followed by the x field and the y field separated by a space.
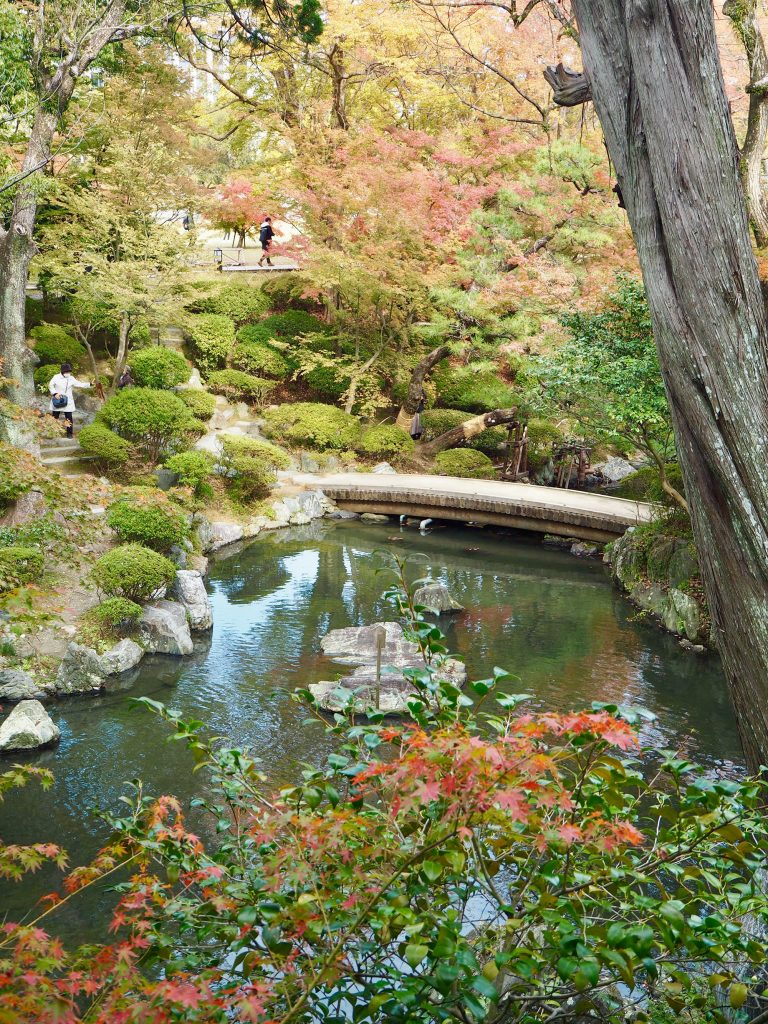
pixel 237 208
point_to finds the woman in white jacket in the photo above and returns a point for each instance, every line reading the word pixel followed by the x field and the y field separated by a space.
pixel 60 386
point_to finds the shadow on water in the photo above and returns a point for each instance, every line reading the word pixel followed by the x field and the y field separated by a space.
pixel 552 620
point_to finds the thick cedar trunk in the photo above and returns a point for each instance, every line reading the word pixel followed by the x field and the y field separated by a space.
pixel 743 17
pixel 655 77
pixel 465 431
pixel 416 386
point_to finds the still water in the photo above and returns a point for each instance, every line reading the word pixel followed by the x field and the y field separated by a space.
pixel 554 621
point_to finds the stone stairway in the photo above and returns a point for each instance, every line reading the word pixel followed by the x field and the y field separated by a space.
pixel 63 454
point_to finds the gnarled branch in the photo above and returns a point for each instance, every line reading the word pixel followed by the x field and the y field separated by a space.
pixel 570 88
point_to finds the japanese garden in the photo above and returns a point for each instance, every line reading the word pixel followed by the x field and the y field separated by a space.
pixel 383 512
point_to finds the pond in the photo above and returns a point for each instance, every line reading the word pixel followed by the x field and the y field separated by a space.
pixel 554 621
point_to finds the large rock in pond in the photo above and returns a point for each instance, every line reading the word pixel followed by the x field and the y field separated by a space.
pixel 123 656
pixel 223 534
pixel 189 589
pixel 18 685
pixel 436 598
pixel 357 645
pixel 28 727
pixel 81 671
pixel 164 628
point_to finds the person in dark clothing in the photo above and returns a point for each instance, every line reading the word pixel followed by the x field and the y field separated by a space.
pixel 126 379
pixel 266 234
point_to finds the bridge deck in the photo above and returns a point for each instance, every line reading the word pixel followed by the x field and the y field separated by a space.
pixel 553 510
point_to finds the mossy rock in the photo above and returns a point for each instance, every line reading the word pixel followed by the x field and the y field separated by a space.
pixel 464 462
pixel 683 565
pixel 659 556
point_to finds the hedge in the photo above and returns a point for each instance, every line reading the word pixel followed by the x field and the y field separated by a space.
pixel 238 300
pixel 134 572
pixel 200 403
pixel 237 384
pixel 464 462
pixel 54 345
pixel 152 521
pixel 312 425
pixel 384 440
pixel 212 336
pixel 159 367
pixel 107 447
pixel 19 565
pixel 155 421
pixel 259 358
pixel 250 466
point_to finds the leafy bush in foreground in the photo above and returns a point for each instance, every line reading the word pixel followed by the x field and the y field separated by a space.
pixel 133 572
pixel 19 565
pixel 152 521
pixel 159 367
pixel 293 322
pixel 312 425
pixel 464 462
pixel 473 864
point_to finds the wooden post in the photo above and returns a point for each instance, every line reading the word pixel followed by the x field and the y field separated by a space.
pixel 381 638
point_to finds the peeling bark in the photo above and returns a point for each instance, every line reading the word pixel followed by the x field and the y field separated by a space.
pixel 459 436
pixel 656 81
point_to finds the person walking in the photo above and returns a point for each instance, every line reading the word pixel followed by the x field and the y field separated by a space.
pixel 62 399
pixel 266 234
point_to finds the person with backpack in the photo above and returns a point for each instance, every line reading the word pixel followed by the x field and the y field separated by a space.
pixel 266 234
pixel 62 399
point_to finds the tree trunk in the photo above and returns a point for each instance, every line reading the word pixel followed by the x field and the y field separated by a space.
pixel 122 352
pixel 459 436
pixel 416 386
pixel 655 77
pixel 743 17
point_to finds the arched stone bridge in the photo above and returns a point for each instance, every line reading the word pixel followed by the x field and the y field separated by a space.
pixel 583 514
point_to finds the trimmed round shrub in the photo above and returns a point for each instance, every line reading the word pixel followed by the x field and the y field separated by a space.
pixel 475 388
pixel 107 447
pixel 293 322
pixel 250 466
pixel 212 336
pixel 43 376
pixel 201 404
pixel 238 384
pixel 155 421
pixel 256 357
pixel 312 425
pixel 239 300
pixel 193 470
pixel 327 381
pixel 435 422
pixel 117 614
pixel 134 572
pixel 20 565
pixel 55 345
pixel 152 521
pixel 385 439
pixel 464 462
pixel 18 472
pixel 159 367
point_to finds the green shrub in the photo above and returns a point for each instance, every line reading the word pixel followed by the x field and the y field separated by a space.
pixel 256 357
pixel 312 425
pixel 237 384
pixel 193 470
pixel 43 375
pixel 148 520
pixel 476 388
pixel 134 572
pixel 107 447
pixel 212 336
pixel 290 290
pixel 384 440
pixel 33 312
pixel 55 345
pixel 293 322
pixel 435 422
pixel 250 466
pixel 327 381
pixel 18 472
pixel 155 421
pixel 542 437
pixel 117 614
pixel 464 462
pixel 200 403
pixel 240 301
pixel 159 367
pixel 19 565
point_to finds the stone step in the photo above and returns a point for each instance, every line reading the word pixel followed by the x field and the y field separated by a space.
pixel 58 442
pixel 65 460
pixel 59 448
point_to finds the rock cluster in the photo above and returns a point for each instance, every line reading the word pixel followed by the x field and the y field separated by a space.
pixel 295 511
pixel 358 645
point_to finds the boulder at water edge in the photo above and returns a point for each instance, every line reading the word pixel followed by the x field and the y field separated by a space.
pixel 123 656
pixel 436 598
pixel 28 727
pixel 81 671
pixel 189 589
pixel 391 692
pixel 17 685
pixel 164 628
